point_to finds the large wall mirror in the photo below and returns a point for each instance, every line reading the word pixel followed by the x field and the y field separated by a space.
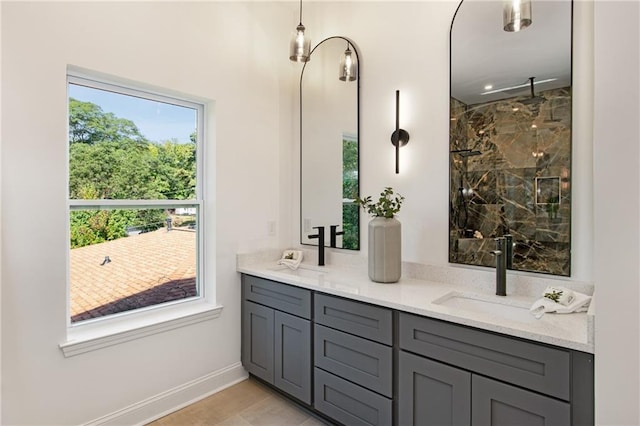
pixel 510 136
pixel 329 143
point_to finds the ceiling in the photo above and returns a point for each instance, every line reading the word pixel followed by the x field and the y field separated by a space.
pixel 482 53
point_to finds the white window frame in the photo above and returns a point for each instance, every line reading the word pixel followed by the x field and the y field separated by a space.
pixel 113 329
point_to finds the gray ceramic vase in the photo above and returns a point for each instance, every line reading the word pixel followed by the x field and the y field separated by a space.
pixel 385 245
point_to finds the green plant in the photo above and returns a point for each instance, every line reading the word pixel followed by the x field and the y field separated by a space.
pixel 554 295
pixel 387 206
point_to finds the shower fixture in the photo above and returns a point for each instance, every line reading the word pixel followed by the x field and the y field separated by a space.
pixel 466 152
pixel 533 100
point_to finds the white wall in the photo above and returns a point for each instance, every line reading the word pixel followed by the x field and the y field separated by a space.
pixel 404 46
pixel 616 154
pixel 229 52
pixel 0 221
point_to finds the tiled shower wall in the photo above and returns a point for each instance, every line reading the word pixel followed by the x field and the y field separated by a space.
pixel 512 174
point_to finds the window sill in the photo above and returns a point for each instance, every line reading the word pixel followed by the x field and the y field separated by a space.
pixel 91 337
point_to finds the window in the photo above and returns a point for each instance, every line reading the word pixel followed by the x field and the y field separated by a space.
pixel 135 199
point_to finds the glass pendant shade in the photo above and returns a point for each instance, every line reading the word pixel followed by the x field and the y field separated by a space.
pixel 300 45
pixel 348 66
pixel 516 15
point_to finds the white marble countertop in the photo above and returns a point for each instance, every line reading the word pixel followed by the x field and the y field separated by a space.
pixel 507 315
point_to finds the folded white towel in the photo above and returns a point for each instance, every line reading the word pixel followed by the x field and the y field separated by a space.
pixel 562 295
pixel 580 303
pixel 291 259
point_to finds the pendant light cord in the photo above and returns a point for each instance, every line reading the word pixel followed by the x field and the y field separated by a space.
pixel 300 12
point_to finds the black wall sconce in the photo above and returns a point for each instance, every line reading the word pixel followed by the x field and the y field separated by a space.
pixel 399 137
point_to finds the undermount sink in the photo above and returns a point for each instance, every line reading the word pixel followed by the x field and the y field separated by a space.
pixel 496 306
pixel 303 271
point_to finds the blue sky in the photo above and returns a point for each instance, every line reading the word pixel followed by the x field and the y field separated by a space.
pixel 157 121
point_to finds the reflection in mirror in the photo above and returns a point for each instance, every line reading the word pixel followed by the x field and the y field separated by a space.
pixel 510 136
pixel 329 137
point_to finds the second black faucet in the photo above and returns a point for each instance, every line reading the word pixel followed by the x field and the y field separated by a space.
pixel 320 237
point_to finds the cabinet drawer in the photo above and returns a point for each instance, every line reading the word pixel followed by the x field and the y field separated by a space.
pixel 370 322
pixel 358 360
pixel 283 297
pixel 350 404
pixel 529 365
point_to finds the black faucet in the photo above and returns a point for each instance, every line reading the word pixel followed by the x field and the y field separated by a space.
pixel 501 266
pixel 509 250
pixel 334 233
pixel 320 237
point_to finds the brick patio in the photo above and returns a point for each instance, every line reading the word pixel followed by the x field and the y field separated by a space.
pixel 144 270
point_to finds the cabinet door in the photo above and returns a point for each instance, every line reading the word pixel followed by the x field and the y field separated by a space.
pixel 431 393
pixel 499 404
pixel 257 340
pixel 293 356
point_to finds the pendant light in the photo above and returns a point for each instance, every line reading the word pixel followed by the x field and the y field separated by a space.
pixel 516 15
pixel 300 45
pixel 348 66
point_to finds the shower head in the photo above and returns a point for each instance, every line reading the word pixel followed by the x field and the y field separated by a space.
pixel 533 100
pixel 466 152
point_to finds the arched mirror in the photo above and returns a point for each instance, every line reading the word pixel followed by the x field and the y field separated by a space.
pixel 510 136
pixel 329 143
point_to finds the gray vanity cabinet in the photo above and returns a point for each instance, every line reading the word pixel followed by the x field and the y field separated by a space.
pixel 433 393
pixel 455 375
pixel 276 335
pixel 353 375
pixel 363 364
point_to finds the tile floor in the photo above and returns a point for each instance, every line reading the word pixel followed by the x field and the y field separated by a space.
pixel 249 403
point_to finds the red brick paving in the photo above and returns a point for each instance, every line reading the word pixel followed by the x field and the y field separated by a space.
pixel 145 269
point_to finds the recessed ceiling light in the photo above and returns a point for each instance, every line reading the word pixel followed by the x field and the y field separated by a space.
pixel 488 87
pixel 534 126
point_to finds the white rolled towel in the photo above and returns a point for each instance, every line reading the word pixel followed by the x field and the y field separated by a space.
pixel 561 295
pixel 291 259
pixel 579 303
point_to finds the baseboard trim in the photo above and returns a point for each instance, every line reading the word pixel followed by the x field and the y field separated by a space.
pixel 174 399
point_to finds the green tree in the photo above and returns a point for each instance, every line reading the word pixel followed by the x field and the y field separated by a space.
pixel 175 169
pixel 350 211
pixel 112 170
pixel 110 159
pixel 89 124
pixel 349 168
pixel 96 226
